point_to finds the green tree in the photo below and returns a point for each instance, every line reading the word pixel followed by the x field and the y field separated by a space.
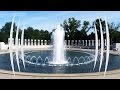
pixel 5 31
pixel 114 33
pixel 29 33
pixel 47 35
pixel 85 28
pixel 36 34
pixel 91 36
pixel 71 27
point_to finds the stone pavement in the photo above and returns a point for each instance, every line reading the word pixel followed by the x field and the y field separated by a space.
pixel 115 74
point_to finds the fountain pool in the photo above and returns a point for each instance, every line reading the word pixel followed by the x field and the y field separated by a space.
pixel 57 60
pixel 73 66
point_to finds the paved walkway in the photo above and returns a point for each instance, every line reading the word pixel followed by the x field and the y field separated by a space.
pixel 115 74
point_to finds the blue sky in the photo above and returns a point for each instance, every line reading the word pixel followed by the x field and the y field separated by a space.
pixel 49 20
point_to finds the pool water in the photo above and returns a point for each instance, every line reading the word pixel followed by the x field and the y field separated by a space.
pixel 114 63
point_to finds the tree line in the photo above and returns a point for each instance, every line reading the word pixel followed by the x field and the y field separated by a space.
pixel 29 33
pixel 74 30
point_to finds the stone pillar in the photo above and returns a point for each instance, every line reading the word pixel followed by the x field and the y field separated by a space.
pixel 86 42
pixel 79 42
pixel 45 42
pixel 75 42
pixel 98 42
pixel 38 42
pixel 31 42
pixel 83 42
pixel 41 42
pixel 35 42
pixel 89 43
pixel 68 42
pixel 92 42
pixel 72 42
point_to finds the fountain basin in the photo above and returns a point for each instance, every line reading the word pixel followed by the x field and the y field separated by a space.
pixel 73 66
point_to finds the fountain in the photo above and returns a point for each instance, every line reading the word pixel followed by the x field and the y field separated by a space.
pixel 59 46
pixel 61 58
